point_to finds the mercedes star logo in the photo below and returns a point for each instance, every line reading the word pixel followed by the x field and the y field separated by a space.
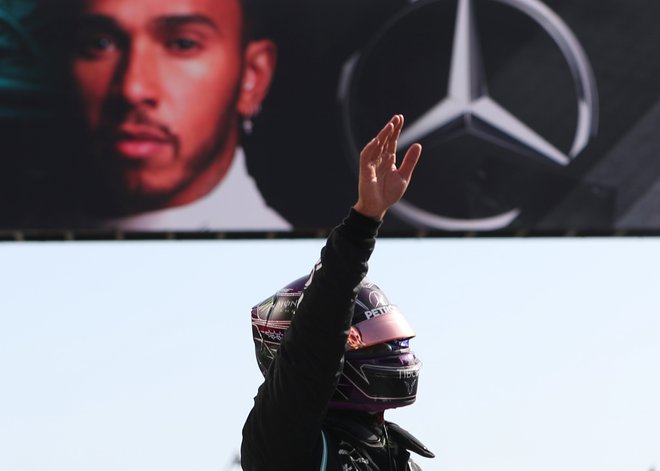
pixel 468 106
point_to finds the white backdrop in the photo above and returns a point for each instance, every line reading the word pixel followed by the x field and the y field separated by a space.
pixel 538 353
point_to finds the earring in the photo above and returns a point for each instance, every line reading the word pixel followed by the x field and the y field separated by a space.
pixel 248 125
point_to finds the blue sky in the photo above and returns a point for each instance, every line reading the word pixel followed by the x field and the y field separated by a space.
pixel 538 353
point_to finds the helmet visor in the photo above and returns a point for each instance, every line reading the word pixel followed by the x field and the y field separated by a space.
pixel 382 327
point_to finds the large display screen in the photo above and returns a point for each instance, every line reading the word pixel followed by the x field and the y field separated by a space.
pixel 247 116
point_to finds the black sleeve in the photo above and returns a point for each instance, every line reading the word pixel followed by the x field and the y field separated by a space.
pixel 283 430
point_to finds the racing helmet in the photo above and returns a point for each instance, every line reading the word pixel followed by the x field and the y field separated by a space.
pixel 379 372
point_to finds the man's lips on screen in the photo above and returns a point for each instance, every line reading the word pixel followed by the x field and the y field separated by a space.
pixel 140 142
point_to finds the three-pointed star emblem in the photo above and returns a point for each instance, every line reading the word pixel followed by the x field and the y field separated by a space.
pixel 468 107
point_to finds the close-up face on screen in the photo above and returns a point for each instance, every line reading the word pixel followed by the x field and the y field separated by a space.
pixel 158 84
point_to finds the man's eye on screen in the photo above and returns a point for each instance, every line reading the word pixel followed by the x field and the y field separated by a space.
pixel 96 46
pixel 183 45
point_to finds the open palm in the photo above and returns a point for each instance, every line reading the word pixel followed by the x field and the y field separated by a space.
pixel 381 184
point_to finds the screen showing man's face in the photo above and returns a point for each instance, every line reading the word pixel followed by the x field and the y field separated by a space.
pixel 159 82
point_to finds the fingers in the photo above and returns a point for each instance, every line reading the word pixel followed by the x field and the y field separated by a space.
pixel 410 161
pixel 385 133
pixel 384 145
pixel 375 147
pixel 381 183
pixel 397 121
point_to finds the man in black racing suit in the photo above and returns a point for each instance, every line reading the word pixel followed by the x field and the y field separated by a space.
pixel 312 412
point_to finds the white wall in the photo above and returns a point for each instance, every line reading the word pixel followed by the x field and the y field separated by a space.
pixel 538 353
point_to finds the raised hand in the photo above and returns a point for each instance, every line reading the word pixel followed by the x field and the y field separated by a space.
pixel 381 183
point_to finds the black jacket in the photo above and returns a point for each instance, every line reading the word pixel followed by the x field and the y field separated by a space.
pixel 289 427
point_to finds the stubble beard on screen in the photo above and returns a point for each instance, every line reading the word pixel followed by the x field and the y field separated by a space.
pixel 119 191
